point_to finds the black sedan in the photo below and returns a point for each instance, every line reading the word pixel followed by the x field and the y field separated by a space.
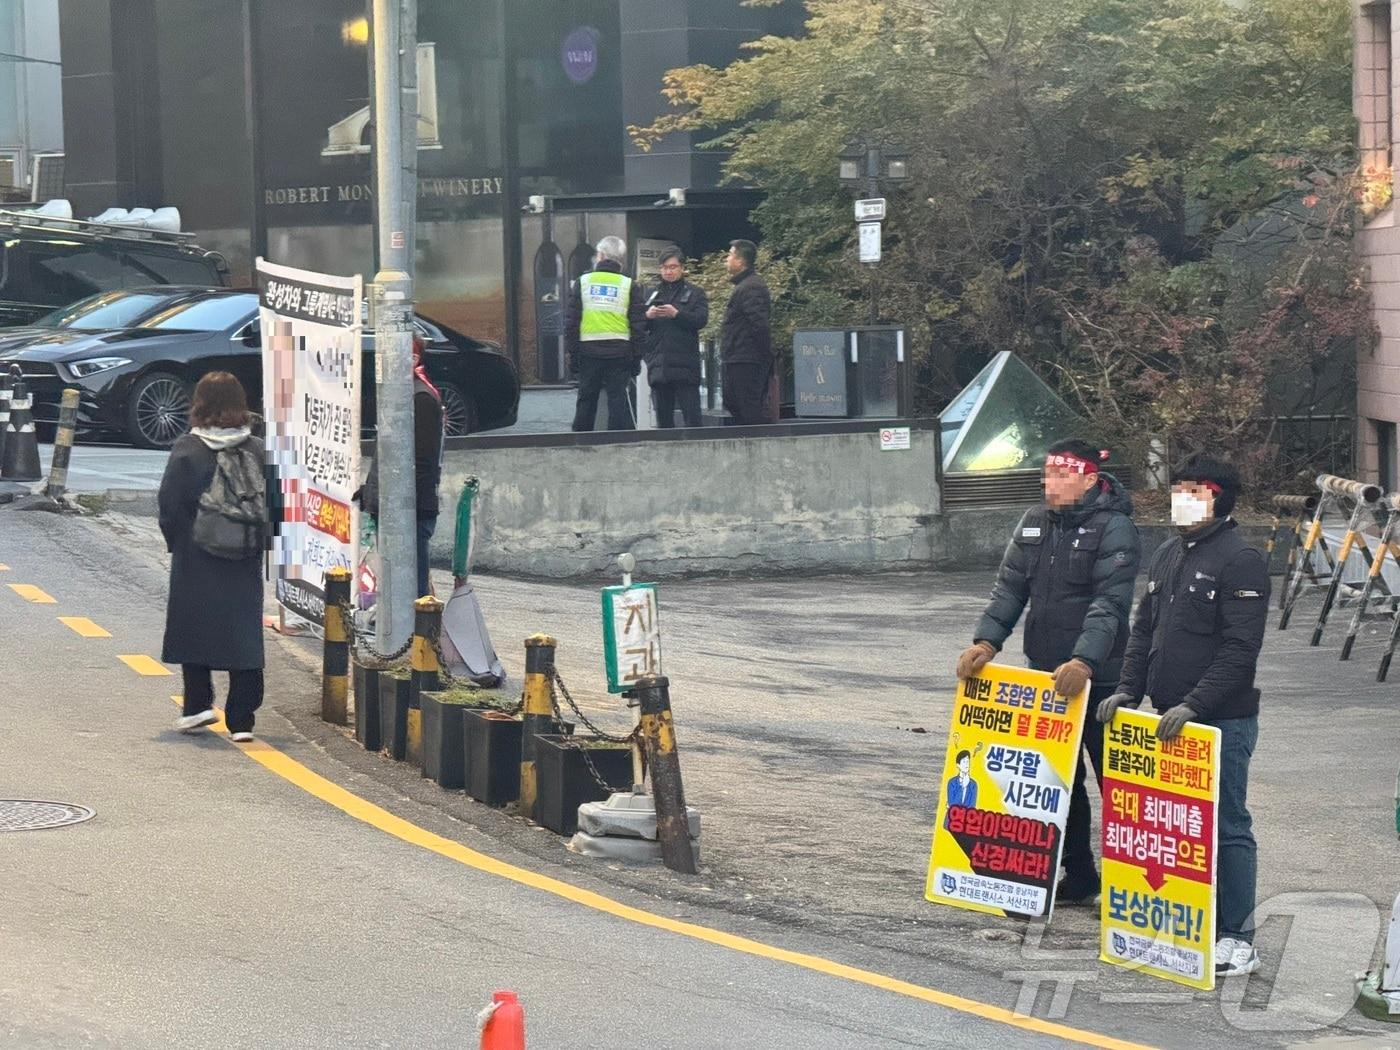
pixel 137 373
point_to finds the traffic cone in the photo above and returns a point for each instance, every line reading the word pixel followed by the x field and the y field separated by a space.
pixel 20 459
pixel 505 1023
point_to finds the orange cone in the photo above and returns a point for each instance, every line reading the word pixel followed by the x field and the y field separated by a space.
pixel 505 1025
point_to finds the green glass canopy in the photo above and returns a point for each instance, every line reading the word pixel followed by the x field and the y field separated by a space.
pixel 1005 419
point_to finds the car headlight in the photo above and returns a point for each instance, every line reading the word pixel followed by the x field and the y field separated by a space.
pixel 93 365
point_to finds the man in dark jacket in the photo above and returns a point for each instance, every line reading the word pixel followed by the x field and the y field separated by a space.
pixel 1194 649
pixel 676 312
pixel 746 345
pixel 428 433
pixel 427 460
pixel 1073 561
pixel 603 336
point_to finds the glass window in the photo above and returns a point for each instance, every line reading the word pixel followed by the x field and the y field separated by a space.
pixel 205 315
pixel 106 310
pixel 1385 454
pixel 143 268
pixel 60 273
pixel 1009 418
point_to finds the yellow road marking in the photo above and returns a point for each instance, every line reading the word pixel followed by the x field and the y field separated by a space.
pixel 84 627
pixel 294 772
pixel 143 664
pixel 30 593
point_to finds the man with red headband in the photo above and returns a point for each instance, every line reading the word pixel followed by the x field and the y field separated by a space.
pixel 1073 561
pixel 1194 650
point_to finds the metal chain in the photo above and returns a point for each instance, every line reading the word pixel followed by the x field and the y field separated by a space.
pixel 554 700
pixel 365 653
pixel 570 742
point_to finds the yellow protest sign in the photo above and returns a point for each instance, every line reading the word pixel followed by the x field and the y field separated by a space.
pixel 1004 793
pixel 1157 910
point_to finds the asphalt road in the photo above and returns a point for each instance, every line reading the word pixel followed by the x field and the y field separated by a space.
pixel 211 903
pixel 214 903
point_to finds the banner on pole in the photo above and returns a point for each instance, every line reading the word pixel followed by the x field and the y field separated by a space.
pixel 1004 794
pixel 1157 911
pixel 311 350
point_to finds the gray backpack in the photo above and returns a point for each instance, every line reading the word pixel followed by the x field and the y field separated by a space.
pixel 232 519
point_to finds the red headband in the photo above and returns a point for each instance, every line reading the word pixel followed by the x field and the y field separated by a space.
pixel 1069 460
pixel 1214 488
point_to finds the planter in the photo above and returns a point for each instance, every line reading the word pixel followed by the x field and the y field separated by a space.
pixel 565 781
pixel 491 740
pixel 395 696
pixel 444 741
pixel 367 728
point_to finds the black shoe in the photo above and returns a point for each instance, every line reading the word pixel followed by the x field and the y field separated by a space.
pixel 1078 888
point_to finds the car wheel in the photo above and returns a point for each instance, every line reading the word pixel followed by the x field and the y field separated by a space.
pixel 459 415
pixel 157 410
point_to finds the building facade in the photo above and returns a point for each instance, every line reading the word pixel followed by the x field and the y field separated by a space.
pixel 1378 373
pixel 31 111
pixel 252 117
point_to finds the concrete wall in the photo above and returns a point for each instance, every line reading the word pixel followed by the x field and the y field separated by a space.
pixel 802 498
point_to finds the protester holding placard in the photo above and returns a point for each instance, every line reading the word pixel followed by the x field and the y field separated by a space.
pixel 1073 562
pixel 1194 649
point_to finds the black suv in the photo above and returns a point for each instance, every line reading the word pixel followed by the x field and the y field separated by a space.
pixel 48 262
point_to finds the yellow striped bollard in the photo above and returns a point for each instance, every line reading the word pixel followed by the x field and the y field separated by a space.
pixel 426 669
pixel 538 714
pixel 335 651
pixel 659 735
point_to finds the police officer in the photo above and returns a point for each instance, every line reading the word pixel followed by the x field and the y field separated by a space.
pixel 603 335
pixel 1073 561
pixel 1194 650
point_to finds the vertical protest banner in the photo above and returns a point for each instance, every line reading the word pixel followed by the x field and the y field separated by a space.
pixel 631 634
pixel 1157 911
pixel 1004 794
pixel 311 402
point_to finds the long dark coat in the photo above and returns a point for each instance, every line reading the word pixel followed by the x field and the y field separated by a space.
pixel 673 343
pixel 214 615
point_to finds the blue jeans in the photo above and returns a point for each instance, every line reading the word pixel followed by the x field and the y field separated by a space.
pixel 426 527
pixel 1237 861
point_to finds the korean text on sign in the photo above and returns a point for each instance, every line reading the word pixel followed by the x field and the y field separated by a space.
pixel 1004 793
pixel 1159 847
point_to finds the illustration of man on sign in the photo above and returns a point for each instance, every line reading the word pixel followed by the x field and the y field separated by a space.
pixel 962 789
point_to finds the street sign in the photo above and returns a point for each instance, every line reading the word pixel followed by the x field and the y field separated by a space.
pixel 872 209
pixel 870 242
pixel 894 439
pixel 631 634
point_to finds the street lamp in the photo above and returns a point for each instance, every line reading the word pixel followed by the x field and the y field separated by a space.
pixel 866 166
pixel 851 158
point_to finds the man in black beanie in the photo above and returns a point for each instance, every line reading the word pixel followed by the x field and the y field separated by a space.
pixel 1193 650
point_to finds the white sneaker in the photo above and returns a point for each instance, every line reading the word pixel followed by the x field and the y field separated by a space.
pixel 1235 958
pixel 189 723
pixel 241 738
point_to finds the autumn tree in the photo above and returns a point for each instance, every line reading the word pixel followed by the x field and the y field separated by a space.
pixel 1131 194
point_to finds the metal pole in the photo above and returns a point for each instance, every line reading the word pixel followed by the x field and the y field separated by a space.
pixel 668 794
pixel 391 301
pixel 874 163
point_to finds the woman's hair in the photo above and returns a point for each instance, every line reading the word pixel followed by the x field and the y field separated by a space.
pixel 219 401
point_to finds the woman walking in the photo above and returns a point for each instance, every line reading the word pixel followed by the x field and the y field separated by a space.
pixel 213 618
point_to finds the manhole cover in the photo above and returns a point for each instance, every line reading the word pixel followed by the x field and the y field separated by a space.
pixel 25 815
